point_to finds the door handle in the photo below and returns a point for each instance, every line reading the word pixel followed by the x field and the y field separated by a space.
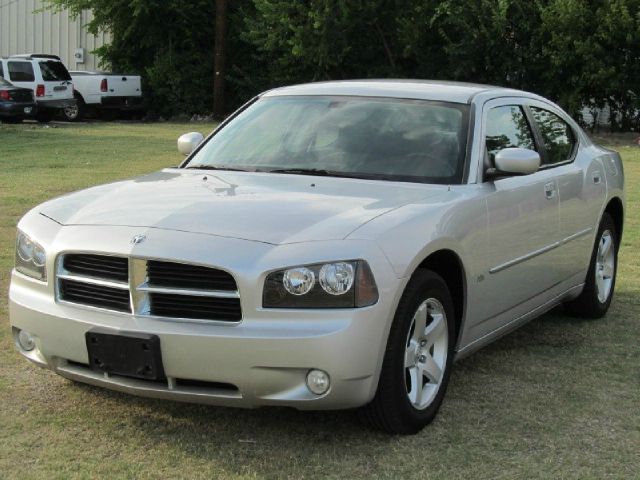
pixel 596 177
pixel 550 190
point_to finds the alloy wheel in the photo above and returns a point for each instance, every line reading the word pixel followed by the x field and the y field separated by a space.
pixel 426 353
pixel 605 266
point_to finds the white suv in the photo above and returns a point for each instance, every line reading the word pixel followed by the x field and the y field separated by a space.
pixel 47 76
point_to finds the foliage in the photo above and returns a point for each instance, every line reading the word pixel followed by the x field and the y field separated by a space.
pixel 578 52
pixel 168 42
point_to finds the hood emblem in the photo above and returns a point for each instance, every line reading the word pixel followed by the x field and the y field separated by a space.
pixel 138 239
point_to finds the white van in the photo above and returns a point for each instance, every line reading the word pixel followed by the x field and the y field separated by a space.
pixel 47 76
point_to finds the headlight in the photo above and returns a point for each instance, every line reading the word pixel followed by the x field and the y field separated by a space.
pixel 31 258
pixel 346 284
pixel 336 278
pixel 298 281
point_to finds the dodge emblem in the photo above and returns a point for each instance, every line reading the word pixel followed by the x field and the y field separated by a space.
pixel 138 239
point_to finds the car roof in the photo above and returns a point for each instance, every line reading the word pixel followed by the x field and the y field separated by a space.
pixel 436 90
pixel 35 56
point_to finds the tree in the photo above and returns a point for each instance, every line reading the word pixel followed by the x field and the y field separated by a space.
pixel 220 58
pixel 165 41
pixel 576 52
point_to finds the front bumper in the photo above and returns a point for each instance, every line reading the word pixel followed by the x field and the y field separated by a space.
pixel 262 360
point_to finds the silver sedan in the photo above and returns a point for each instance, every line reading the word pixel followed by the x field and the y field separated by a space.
pixel 331 245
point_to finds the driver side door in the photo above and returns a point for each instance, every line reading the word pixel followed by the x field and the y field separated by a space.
pixel 523 224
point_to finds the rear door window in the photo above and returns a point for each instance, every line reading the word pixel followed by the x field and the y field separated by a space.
pixel 53 71
pixel 20 72
pixel 559 140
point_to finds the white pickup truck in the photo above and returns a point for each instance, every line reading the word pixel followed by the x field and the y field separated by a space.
pixel 106 93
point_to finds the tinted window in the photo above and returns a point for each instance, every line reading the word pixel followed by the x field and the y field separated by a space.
pixel 1 70
pixel 53 71
pixel 395 139
pixel 557 135
pixel 20 72
pixel 507 127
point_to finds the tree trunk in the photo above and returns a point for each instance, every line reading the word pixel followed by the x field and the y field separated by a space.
pixel 220 59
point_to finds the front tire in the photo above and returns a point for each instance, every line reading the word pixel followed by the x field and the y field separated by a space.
pixel 417 362
pixel 595 299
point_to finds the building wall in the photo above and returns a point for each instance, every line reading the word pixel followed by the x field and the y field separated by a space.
pixel 23 31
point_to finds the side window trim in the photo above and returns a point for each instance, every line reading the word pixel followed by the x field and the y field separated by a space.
pixel 537 136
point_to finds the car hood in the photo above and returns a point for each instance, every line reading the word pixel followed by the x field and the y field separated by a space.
pixel 270 208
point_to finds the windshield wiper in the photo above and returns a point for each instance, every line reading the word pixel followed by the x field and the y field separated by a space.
pixel 320 172
pixel 217 167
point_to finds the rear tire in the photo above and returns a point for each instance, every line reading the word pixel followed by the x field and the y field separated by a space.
pixel 417 361
pixel 595 299
pixel 76 112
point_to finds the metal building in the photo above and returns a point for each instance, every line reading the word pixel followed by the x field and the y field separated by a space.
pixel 26 28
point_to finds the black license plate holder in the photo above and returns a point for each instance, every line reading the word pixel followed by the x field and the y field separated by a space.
pixel 129 354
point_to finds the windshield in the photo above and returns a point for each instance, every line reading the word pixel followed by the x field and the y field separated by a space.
pixel 53 71
pixel 393 139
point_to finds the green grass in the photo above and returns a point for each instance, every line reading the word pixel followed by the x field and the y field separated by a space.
pixel 560 398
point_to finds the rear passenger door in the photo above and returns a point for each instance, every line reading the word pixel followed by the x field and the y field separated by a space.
pixel 581 187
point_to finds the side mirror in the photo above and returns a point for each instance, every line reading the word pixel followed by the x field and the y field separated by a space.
pixel 515 161
pixel 188 142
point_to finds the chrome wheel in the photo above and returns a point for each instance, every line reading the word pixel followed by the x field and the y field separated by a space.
pixel 426 353
pixel 71 112
pixel 605 266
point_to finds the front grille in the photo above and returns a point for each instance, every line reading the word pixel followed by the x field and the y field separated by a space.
pixel 148 287
pixel 94 295
pixel 180 275
pixel 97 266
pixel 197 307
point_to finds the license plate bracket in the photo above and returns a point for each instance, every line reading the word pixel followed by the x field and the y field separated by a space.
pixel 129 354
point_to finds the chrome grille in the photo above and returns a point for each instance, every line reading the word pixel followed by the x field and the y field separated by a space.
pixel 99 266
pixel 148 287
pixel 204 308
pixel 99 296
pixel 188 276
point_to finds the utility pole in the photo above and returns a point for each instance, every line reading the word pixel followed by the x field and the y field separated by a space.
pixel 219 63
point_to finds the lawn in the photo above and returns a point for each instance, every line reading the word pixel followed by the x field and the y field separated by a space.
pixel 560 398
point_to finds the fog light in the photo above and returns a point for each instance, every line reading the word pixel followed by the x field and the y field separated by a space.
pixel 26 341
pixel 318 381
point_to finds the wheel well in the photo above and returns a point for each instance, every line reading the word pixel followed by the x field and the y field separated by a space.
pixel 448 265
pixel 614 208
pixel 78 95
